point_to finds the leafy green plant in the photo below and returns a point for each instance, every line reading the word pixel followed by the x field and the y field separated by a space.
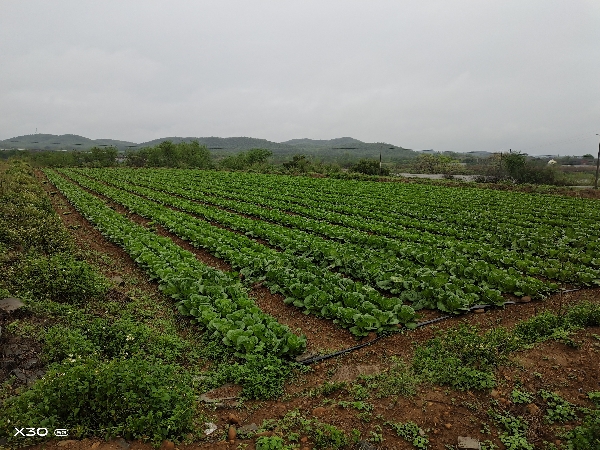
pixel 122 338
pixel 557 409
pixel 519 396
pixel 329 388
pixel 61 342
pixel 261 377
pixel 328 436
pixel 514 434
pixel 399 379
pixel 271 443
pixel 358 405
pixel 463 358
pixel 594 396
pixel 410 432
pixel 586 435
pixel 132 398
pixel 61 278
pixel 376 435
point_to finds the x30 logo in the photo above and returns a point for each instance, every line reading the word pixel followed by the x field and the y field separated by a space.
pixel 30 432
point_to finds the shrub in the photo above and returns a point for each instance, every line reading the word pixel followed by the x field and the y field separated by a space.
pixel 462 358
pixel 123 338
pixel 132 398
pixel 61 342
pixel 61 278
pixel 261 377
pixel 369 167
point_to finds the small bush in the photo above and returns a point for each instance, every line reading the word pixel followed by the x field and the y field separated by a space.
pixel 587 435
pixel 61 343
pixel 328 436
pixel 462 358
pixel 411 432
pixel 61 278
pixel 123 338
pixel 539 328
pixel 132 398
pixel 584 315
pixel 271 443
pixel 369 167
pixel 261 377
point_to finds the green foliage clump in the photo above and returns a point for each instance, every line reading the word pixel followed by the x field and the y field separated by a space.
pixel 400 379
pixel 133 398
pixel 411 432
pixel 61 342
pixel 61 278
pixel 516 167
pixel 167 154
pixel 329 436
pixel 557 409
pixel 519 397
pixel 462 358
pixel 262 377
pixel 27 220
pixel 323 435
pixel 514 434
pixel 539 328
pixel 298 164
pixel 369 167
pixel 585 436
pixel 548 325
pixel 245 160
pixel 443 164
pixel 271 443
pixel 122 338
pixel 95 157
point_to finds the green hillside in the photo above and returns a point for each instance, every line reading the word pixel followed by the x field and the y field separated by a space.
pixel 339 149
pixel 59 142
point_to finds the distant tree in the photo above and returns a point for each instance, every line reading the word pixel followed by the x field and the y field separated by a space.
pixel 299 163
pixel 192 154
pixel 435 164
pixel 166 154
pixel 369 167
pixel 258 156
pixel 100 157
pixel 514 163
pixel 590 156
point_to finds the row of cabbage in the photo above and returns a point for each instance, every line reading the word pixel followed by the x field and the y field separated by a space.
pixel 403 242
pixel 215 299
pixel 431 279
pixel 515 207
pixel 574 238
pixel 441 211
pixel 349 303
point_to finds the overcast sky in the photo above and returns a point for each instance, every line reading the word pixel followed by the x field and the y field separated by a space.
pixel 448 75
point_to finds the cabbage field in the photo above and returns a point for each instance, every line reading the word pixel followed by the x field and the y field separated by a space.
pixel 368 256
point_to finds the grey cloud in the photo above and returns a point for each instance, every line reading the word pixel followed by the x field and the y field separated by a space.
pixel 460 75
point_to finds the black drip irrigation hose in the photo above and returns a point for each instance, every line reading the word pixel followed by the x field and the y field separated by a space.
pixel 318 358
pixel 314 359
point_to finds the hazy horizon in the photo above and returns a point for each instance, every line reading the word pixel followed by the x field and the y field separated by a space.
pixel 452 76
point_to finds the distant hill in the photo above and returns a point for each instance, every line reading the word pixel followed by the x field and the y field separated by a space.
pixel 339 149
pixel 338 142
pixel 228 145
pixel 59 142
pixel 347 148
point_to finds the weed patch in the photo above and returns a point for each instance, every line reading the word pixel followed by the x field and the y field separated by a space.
pixel 131 398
